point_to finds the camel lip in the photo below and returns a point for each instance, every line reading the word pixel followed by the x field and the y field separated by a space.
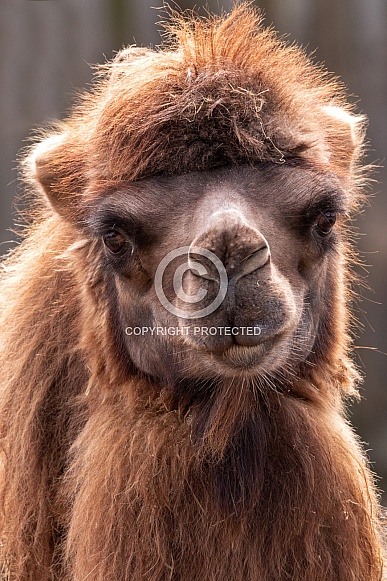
pixel 252 359
pixel 247 355
pixel 240 358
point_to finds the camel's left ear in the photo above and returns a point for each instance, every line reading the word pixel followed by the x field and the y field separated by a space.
pixel 345 134
pixel 56 165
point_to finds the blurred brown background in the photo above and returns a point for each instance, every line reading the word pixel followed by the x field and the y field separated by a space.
pixel 46 47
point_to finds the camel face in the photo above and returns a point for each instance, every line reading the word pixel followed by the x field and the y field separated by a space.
pixel 221 273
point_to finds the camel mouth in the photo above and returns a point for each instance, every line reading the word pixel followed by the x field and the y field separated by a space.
pixel 242 355
pixel 249 359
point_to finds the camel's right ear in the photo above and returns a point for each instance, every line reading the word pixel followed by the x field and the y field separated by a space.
pixel 57 166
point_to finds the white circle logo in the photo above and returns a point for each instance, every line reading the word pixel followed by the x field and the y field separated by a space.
pixel 178 282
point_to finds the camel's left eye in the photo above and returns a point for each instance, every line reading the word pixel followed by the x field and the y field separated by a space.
pixel 325 222
pixel 115 241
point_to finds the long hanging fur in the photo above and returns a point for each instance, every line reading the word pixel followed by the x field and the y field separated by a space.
pixel 248 484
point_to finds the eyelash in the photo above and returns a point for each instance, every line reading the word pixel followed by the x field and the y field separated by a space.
pixel 100 227
pixel 311 215
pixel 136 234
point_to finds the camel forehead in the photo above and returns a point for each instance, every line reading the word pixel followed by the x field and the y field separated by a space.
pixel 265 185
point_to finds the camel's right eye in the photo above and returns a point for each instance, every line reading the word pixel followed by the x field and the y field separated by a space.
pixel 115 241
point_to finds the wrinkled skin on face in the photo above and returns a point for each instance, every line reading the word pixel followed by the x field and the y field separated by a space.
pixel 271 227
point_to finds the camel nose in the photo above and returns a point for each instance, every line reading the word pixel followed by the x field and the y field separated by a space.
pixel 241 248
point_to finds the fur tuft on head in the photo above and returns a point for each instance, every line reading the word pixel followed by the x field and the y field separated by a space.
pixel 223 91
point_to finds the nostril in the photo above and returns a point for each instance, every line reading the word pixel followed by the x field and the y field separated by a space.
pixel 202 267
pixel 255 260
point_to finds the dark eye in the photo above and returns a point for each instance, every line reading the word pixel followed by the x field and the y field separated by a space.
pixel 325 222
pixel 115 241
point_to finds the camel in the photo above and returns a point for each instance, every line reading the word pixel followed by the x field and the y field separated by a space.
pixel 175 325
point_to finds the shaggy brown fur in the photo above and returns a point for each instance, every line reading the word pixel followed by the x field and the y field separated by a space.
pixel 115 470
